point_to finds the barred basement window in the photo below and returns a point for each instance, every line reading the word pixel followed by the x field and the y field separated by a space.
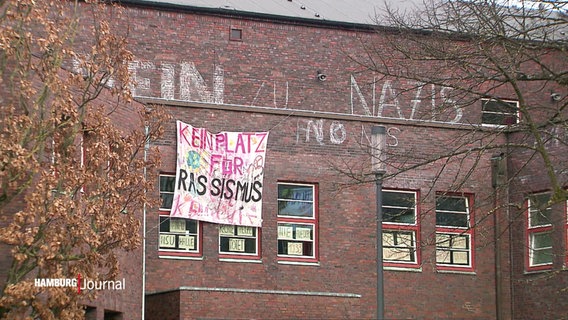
pixel 297 222
pixel 238 242
pixel 454 232
pixel 177 236
pixel 400 228
pixel 539 232
pixel 499 112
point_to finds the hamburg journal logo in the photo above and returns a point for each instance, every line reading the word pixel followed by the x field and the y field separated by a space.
pixel 81 283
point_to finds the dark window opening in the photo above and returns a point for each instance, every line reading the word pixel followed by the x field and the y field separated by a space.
pixel 498 112
pixel 236 34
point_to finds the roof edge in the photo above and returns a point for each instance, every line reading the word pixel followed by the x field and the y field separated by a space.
pixel 253 15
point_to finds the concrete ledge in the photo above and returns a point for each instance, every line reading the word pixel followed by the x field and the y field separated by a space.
pixel 261 291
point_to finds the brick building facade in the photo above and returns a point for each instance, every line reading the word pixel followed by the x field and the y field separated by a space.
pixel 252 73
pixel 448 253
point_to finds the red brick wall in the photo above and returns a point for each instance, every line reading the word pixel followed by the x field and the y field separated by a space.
pixel 274 68
pixel 347 235
pixel 165 306
pixel 256 71
pixel 127 302
pixel 541 294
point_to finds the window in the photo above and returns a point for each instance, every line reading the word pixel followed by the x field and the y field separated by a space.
pixel 167 186
pixel 400 228
pixel 112 315
pixel 238 242
pixel 539 232
pixel 236 34
pixel 454 233
pixel 90 313
pixel 499 112
pixel 177 236
pixel 297 222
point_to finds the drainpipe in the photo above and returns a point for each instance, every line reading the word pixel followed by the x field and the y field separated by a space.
pixel 146 147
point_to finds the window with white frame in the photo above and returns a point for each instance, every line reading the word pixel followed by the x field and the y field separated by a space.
pixel 177 236
pixel 238 242
pixel 539 231
pixel 454 232
pixel 499 112
pixel 297 222
pixel 167 186
pixel 400 228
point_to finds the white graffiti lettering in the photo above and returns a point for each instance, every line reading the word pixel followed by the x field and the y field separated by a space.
pixel 336 127
pixel 310 126
pixel 398 100
pixel 184 77
pixel 307 129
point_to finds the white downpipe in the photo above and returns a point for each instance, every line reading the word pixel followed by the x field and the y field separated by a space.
pixel 146 147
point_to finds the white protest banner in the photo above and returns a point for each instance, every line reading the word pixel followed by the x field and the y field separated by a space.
pixel 219 176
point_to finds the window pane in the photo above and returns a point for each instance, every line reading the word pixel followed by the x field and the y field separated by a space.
pixel 399 207
pixel 494 118
pixel 399 246
pixel 236 34
pixel 295 192
pixel 452 249
pixel 451 219
pixel 295 239
pixel 457 204
pixel 443 256
pixel 538 211
pixel 237 240
pixel 500 106
pixel 167 200
pixel 295 248
pixel 165 226
pixel 178 234
pixel 541 248
pixel 295 200
pixel 499 112
pixel 398 238
pixel 460 242
pixel 460 257
pixel 238 245
pixel 167 183
pixel 452 212
pixel 452 257
pixel 396 215
pixel 398 254
pixel 304 232
pixel 398 199
pixel 295 208
pixel 443 240
pixel 541 240
pixel 543 256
